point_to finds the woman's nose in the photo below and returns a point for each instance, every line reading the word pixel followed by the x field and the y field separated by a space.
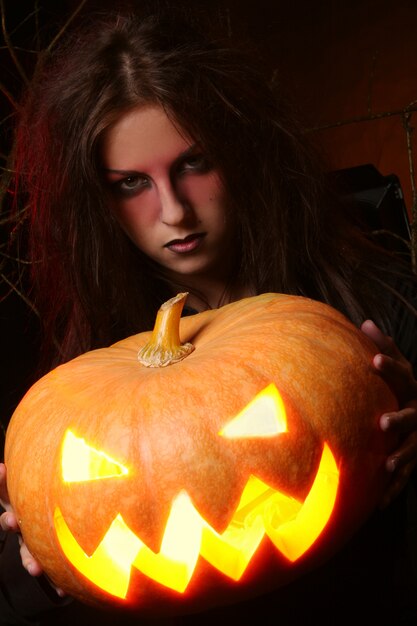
pixel 174 208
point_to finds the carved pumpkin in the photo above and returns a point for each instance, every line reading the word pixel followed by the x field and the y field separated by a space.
pixel 252 457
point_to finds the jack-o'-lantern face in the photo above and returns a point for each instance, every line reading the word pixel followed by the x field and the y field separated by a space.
pixel 291 525
pixel 248 461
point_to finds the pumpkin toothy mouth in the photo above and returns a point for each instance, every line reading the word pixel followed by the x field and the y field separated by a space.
pixel 292 526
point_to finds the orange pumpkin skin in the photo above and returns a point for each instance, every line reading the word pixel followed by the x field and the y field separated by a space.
pixel 164 424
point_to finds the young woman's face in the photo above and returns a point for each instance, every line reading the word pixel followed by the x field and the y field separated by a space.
pixel 167 197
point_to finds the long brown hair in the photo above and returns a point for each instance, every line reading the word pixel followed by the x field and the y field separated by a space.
pixel 90 284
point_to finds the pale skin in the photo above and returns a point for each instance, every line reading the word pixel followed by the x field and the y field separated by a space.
pixel 171 204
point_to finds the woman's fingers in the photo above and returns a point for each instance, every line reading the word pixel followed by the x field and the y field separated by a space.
pixel 400 422
pixel 8 522
pixel 384 343
pixel 29 563
pixel 403 459
pixel 396 370
pixel 405 454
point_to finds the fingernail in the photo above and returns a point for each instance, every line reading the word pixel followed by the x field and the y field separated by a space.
pixel 8 520
pixel 378 360
pixel 385 422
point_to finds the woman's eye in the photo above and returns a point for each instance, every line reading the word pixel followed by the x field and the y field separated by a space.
pixel 130 185
pixel 195 162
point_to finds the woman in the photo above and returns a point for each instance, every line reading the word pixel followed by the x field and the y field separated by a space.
pixel 154 159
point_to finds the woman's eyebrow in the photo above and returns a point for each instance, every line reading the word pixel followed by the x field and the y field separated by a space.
pixel 187 152
pixel 122 172
pixel 190 151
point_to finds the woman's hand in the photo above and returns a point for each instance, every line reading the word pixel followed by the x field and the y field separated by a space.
pixel 8 522
pixel 398 373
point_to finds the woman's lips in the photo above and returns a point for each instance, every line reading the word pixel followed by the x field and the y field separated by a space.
pixel 188 244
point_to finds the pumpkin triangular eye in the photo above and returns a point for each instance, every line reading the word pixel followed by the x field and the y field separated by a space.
pixel 264 416
pixel 81 462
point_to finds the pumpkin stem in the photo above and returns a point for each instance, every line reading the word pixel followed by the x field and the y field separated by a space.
pixel 164 346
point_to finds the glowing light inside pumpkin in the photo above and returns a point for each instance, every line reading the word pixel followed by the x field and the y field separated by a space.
pixel 109 566
pixel 291 525
pixel 174 565
pixel 294 535
pixel 80 462
pixel 264 416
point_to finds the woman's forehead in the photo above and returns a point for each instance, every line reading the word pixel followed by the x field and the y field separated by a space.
pixel 141 136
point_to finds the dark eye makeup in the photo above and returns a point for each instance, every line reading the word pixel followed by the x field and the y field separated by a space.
pixel 194 162
pixel 129 185
pixel 133 183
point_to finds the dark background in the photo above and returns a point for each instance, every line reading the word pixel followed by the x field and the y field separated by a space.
pixel 350 67
pixel 339 61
